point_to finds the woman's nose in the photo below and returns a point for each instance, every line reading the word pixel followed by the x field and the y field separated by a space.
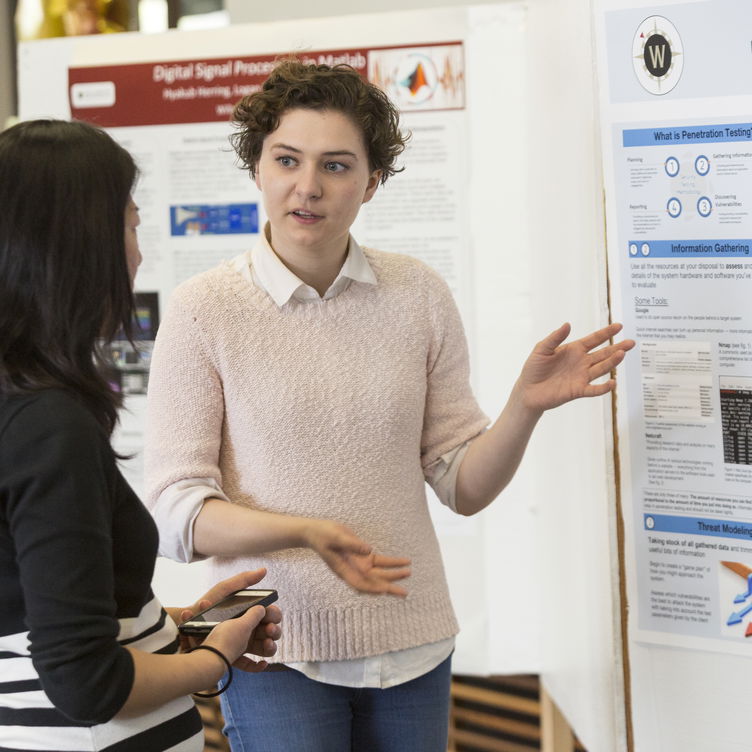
pixel 308 185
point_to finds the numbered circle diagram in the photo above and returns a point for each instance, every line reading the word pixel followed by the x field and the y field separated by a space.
pixel 645 249
pixel 657 55
pixel 649 522
pixel 633 249
pixel 674 207
pixel 702 165
pixel 704 206
pixel 672 167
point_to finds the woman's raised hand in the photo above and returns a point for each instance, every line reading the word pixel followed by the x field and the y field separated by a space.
pixel 556 373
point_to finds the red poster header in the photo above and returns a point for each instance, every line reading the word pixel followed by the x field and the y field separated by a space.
pixel 204 91
pixel 190 91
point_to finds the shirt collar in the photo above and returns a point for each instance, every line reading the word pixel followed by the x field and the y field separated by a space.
pixel 281 284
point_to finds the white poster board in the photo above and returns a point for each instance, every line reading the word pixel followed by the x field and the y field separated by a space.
pixel 448 208
pixel 677 153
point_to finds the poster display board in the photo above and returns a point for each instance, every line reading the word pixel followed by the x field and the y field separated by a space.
pixel 677 150
pixel 198 207
pixel 168 97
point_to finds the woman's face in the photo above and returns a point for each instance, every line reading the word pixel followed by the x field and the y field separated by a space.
pixel 132 253
pixel 314 176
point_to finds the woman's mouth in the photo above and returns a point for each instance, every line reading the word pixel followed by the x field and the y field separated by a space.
pixel 303 214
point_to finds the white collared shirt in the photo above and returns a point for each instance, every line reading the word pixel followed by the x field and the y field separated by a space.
pixel 262 265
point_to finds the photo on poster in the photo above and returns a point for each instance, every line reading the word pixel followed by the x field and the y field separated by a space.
pixel 735 589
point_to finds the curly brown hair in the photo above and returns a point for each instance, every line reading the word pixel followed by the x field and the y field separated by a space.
pixel 294 84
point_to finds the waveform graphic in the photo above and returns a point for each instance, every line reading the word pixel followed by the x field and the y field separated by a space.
pixel 421 78
pixel 453 82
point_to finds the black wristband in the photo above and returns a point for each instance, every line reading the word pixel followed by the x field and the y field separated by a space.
pixel 229 671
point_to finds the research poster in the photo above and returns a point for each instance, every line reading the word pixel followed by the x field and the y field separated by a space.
pixel 198 207
pixel 676 116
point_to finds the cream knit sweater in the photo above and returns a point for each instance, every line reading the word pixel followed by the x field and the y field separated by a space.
pixel 328 410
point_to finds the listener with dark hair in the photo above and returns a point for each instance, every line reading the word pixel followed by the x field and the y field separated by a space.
pixel 89 659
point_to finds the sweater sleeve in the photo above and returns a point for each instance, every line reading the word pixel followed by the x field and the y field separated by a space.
pixel 452 415
pixel 59 477
pixel 185 408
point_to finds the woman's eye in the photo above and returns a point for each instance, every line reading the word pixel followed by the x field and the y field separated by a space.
pixel 286 161
pixel 334 167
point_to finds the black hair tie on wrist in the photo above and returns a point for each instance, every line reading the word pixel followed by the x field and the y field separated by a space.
pixel 229 671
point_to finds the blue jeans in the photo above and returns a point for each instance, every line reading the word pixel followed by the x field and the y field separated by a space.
pixel 285 711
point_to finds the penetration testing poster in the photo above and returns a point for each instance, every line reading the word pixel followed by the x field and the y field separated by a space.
pixel 677 150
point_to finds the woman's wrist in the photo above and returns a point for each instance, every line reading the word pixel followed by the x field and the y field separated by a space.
pixel 209 667
pixel 305 532
pixel 518 405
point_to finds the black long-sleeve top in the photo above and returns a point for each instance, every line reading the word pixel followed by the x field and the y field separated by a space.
pixel 77 554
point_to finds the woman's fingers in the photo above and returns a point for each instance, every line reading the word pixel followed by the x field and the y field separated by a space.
pixel 602 367
pixel 228 587
pixel 600 336
pixel 391 574
pixel 273 615
pixel 379 560
pixel 548 344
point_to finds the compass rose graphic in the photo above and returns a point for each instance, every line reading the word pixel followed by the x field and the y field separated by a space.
pixel 657 55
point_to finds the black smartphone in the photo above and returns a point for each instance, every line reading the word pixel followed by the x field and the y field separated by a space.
pixel 228 608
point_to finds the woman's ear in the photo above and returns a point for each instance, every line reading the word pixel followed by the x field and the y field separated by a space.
pixel 372 185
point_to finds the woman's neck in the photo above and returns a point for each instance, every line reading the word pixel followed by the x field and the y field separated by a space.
pixel 316 268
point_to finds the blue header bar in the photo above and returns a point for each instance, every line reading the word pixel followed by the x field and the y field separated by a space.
pixel 644 249
pixel 664 523
pixel 688 134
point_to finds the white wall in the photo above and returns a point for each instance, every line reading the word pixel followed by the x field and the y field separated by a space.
pixel 582 666
pixel 242 11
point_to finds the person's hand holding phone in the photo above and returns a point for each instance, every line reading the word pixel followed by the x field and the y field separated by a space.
pixel 261 633
pixel 233 637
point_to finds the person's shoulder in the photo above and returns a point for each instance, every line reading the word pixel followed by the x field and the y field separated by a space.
pixel 49 412
pixel 399 265
pixel 205 283
pixel 207 290
pixel 411 274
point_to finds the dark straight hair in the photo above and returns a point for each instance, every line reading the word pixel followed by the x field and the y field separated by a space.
pixel 64 282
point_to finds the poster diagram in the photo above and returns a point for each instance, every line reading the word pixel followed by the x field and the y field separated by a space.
pixel 679 199
pixel 736 595
pixel 212 219
pixel 421 78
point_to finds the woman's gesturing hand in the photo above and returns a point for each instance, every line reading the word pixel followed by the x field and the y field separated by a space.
pixel 556 373
pixel 354 560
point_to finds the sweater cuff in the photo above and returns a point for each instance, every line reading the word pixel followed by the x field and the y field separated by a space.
pixel 175 513
pixel 442 475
